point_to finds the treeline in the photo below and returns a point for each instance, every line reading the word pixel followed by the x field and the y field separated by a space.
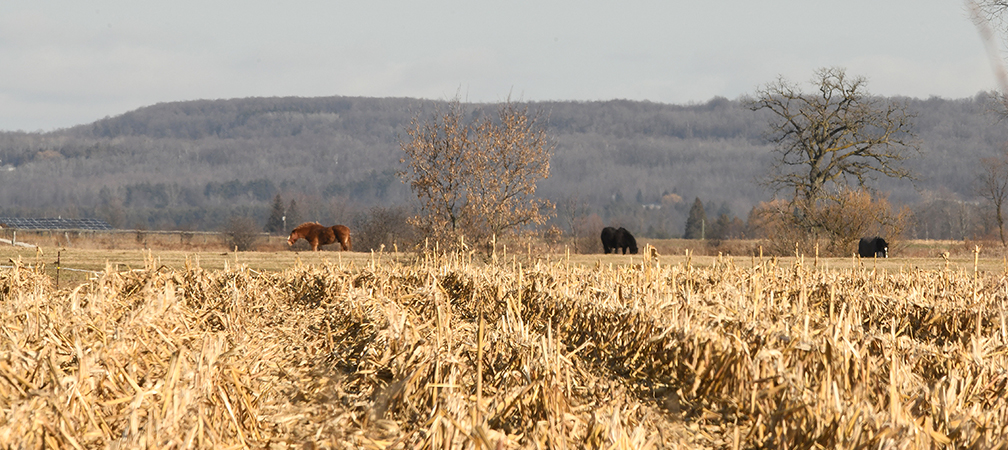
pixel 195 164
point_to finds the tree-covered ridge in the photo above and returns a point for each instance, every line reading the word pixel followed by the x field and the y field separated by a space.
pixel 175 165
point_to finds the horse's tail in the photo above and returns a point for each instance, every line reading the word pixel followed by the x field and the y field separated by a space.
pixel 342 235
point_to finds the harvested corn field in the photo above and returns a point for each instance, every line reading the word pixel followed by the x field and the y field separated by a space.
pixel 446 352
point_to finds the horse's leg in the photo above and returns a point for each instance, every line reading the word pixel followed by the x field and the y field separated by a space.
pixel 314 244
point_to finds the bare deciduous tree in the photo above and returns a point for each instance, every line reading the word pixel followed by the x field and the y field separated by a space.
pixel 384 227
pixel 573 211
pixel 835 136
pixel 240 234
pixel 477 178
pixel 992 181
pixel 992 184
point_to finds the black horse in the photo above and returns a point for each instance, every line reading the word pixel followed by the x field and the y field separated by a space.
pixel 618 239
pixel 873 247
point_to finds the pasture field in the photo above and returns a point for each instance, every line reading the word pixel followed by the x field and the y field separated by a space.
pixel 217 349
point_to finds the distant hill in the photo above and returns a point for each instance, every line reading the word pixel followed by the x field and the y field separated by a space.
pixel 194 164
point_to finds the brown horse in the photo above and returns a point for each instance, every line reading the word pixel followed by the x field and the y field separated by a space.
pixel 317 235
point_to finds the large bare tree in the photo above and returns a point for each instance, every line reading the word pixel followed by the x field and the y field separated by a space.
pixel 839 134
pixel 477 177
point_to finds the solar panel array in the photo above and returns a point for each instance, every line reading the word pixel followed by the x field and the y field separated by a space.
pixel 21 223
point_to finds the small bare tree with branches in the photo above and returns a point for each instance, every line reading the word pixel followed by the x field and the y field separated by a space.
pixel 240 234
pixel 992 184
pixel 477 178
pixel 835 225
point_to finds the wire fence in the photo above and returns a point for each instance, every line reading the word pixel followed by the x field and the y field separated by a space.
pixel 121 238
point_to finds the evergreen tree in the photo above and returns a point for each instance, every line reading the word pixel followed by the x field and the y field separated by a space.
pixel 724 210
pixel 293 215
pixel 696 221
pixel 722 227
pixel 275 223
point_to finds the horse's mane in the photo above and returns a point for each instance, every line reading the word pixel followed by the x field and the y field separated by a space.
pixel 306 225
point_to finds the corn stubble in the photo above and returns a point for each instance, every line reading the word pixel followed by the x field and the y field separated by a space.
pixel 443 352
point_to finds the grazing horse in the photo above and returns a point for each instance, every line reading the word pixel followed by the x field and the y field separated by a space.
pixel 317 235
pixel 874 247
pixel 614 240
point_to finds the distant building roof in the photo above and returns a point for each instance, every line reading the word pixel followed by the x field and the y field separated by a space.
pixel 21 223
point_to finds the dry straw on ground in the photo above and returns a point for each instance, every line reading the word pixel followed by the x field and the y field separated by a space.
pixel 444 352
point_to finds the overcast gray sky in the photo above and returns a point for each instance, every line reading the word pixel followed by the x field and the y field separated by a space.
pixel 64 63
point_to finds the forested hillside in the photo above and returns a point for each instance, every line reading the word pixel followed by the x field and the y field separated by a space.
pixel 193 165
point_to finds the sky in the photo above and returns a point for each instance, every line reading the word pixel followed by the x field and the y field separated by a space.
pixel 65 63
